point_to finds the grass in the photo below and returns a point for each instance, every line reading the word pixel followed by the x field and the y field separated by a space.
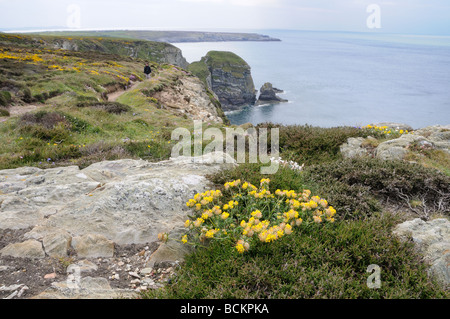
pixel 331 261
pixel 74 115
pixel 321 262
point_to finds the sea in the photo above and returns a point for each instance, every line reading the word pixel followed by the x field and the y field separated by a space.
pixel 344 78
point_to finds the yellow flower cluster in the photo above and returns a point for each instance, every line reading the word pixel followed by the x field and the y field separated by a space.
pixel 253 214
pixel 5 54
pixel 386 130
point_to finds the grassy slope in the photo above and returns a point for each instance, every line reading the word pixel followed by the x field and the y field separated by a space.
pixel 149 50
pixel 74 124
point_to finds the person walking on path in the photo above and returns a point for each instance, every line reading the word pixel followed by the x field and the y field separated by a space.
pixel 147 71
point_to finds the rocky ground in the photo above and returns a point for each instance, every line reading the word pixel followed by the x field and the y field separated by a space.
pixel 92 233
pixel 123 275
pixel 431 137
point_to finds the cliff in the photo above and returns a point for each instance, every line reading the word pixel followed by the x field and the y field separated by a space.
pixel 228 76
pixel 158 52
pixel 169 36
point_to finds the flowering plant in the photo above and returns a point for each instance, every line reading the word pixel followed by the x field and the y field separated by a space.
pixel 251 215
pixel 386 130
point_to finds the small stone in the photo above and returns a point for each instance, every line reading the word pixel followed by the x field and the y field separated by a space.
pixel 3 268
pixel 50 276
pixel 146 271
pixel 22 291
pixel 93 245
pixel 27 249
pixel 148 281
pixel 134 274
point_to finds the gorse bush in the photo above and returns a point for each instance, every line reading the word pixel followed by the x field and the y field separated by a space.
pixel 245 215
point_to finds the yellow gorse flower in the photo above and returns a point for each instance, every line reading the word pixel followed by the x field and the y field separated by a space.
pixel 258 216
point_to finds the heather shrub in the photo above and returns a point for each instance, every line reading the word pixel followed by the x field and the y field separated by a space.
pixel 354 184
pixel 4 112
pixel 110 107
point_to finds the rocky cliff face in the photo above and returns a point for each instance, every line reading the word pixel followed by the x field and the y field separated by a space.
pixel 154 51
pixel 228 76
pixel 189 97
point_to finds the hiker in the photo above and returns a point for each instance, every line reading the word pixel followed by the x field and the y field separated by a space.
pixel 147 71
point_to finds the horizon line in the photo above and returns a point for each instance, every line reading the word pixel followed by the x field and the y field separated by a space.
pixel 216 30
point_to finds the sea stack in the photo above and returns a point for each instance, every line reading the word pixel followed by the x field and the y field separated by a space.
pixel 228 76
pixel 268 94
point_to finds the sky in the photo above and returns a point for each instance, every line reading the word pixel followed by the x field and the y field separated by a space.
pixel 430 17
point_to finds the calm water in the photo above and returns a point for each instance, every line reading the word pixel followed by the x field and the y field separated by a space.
pixel 333 79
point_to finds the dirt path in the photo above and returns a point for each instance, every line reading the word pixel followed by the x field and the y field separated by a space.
pixel 17 110
pixel 22 109
pixel 112 97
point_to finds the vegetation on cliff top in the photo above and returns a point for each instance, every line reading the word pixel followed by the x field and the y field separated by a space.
pixel 168 36
pixel 75 124
pixel 148 50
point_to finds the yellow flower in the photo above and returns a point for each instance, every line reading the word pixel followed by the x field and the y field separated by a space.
pixel 163 237
pixel 184 239
pixel 210 233
pixel 330 219
pixel 225 215
pixel 288 229
pixel 225 207
pixel 199 222
pixel 256 214
pixel 317 219
pixel 187 223
pixel 270 238
pixel 240 248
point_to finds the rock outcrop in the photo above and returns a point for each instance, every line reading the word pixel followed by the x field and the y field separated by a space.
pixel 88 213
pixel 189 97
pixel 432 238
pixel 431 137
pixel 268 95
pixel 228 76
